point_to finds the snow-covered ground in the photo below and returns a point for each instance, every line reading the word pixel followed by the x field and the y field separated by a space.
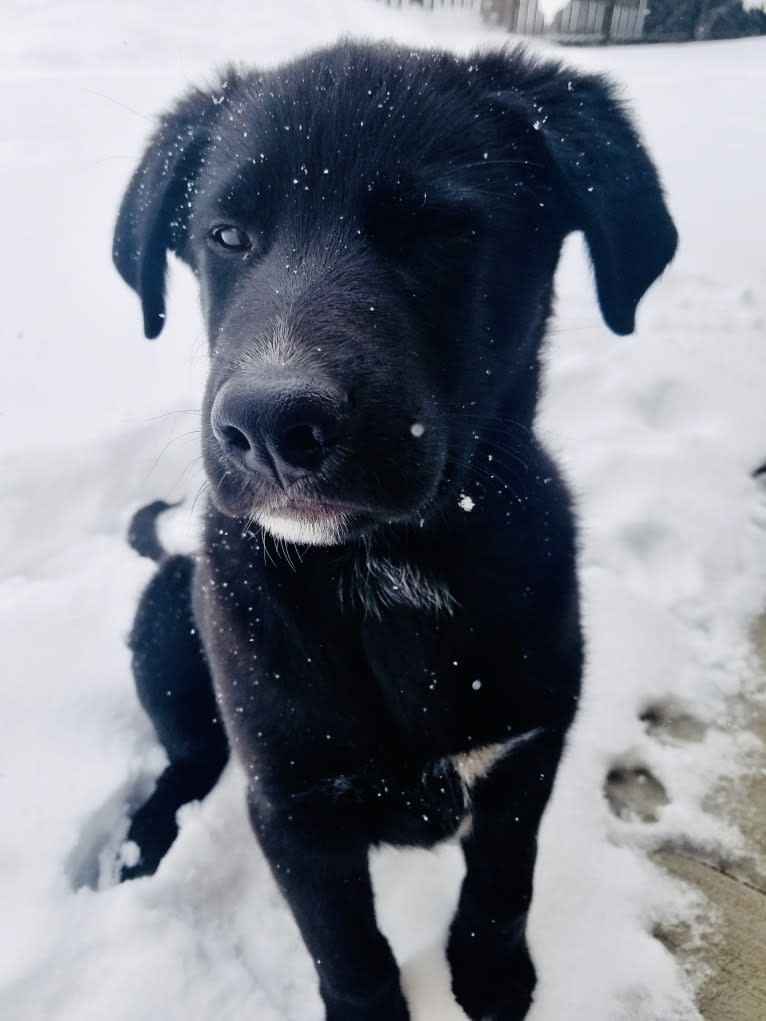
pixel 658 434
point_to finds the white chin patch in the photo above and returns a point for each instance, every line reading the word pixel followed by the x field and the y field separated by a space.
pixel 325 530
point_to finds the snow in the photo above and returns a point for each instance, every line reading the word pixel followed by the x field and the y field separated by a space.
pixel 658 435
pixel 549 8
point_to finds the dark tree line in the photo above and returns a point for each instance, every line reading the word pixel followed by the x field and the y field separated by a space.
pixel 702 19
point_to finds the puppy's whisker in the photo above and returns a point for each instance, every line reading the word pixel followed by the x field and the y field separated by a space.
pixel 485 477
pixel 168 445
pixel 192 469
pixel 266 553
pixel 286 554
pixel 202 489
pixel 487 421
pixel 493 479
pixel 171 414
pixel 116 102
pixel 487 164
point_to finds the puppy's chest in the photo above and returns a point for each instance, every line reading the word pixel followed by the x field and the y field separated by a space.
pixel 444 684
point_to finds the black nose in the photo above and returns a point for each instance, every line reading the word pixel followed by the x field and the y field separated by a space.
pixel 281 428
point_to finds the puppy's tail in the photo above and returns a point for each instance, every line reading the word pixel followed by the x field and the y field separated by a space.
pixel 142 531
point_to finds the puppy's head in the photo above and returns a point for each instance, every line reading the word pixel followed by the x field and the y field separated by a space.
pixel 375 233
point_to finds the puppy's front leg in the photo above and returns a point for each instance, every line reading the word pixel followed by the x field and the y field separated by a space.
pixel 492 973
pixel 327 884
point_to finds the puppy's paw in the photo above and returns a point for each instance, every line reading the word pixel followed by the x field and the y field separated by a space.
pixel 387 1004
pixel 493 977
pixel 513 1006
pixel 146 844
pixel 511 1003
pixel 130 863
pixel 94 861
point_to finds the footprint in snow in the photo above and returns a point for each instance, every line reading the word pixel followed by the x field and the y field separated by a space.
pixel 95 859
pixel 631 789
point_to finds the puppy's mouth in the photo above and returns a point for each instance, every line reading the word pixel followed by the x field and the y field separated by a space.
pixel 304 517
pixel 308 522
pixel 344 501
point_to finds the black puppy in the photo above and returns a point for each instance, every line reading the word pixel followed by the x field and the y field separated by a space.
pixel 386 591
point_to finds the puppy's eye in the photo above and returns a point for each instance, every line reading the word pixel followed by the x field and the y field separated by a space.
pixel 233 239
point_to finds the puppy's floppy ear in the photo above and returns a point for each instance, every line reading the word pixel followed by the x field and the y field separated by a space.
pixel 152 217
pixel 608 184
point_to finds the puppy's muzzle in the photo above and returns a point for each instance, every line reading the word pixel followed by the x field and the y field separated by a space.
pixel 280 428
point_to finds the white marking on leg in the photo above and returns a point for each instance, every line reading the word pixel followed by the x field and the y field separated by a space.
pixel 472 766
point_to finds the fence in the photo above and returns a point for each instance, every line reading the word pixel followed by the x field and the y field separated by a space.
pixel 577 21
pixel 591 20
